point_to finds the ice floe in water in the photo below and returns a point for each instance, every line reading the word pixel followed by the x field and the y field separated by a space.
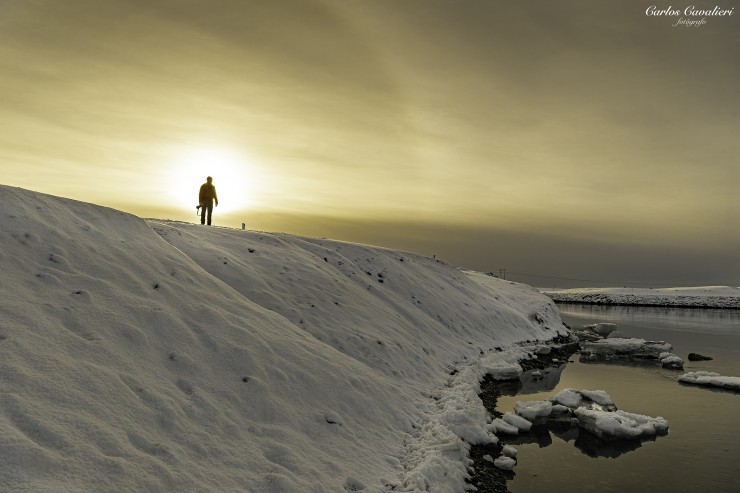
pixel 600 428
pixel 603 328
pixel 711 379
pixel 593 411
pixel 619 424
pixel 671 361
pixel 596 345
pixel 617 347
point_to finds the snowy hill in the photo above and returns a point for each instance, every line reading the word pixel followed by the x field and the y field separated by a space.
pixel 158 356
pixel 685 297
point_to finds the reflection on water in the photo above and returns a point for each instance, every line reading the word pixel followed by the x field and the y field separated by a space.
pixel 539 381
pixel 594 446
pixel 532 381
pixel 588 443
pixel 692 319
pixel 702 449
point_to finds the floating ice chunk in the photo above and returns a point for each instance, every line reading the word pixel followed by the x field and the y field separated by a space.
pixel 522 424
pixel 560 413
pixel 498 425
pixel 711 379
pixel 652 349
pixel 533 410
pixel 587 335
pixel 652 426
pixel 600 397
pixel 505 463
pixel 620 347
pixel 615 345
pixel 568 397
pixel 603 329
pixel 619 424
pixel 509 451
pixel 671 361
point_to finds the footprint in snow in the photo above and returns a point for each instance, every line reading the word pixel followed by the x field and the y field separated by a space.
pixel 333 418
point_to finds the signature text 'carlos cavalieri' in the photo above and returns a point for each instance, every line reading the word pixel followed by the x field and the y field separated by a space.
pixel 691 16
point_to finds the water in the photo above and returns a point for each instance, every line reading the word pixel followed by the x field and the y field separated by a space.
pixel 702 449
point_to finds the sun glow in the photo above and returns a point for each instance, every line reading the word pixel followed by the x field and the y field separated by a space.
pixel 229 170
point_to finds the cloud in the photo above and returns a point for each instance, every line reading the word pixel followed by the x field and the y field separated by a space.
pixel 550 116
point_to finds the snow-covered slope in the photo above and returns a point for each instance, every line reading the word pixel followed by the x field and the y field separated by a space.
pixel 156 356
pixel 699 297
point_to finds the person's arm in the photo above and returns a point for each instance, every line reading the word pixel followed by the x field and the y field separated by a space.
pixel 215 197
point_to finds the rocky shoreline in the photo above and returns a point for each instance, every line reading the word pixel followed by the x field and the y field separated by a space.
pixel 542 368
pixel 486 477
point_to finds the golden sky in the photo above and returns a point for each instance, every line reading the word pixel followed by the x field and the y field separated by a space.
pixel 553 123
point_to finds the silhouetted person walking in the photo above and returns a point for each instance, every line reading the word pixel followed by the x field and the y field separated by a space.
pixel 206 197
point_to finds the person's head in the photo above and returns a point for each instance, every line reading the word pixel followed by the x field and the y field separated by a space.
pixel 209 179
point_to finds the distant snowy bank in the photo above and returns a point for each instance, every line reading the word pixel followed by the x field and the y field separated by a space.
pixel 691 297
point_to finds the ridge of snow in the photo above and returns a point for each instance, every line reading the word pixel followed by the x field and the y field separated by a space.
pixel 154 355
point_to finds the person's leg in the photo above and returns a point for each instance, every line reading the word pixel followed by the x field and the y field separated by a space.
pixel 202 214
pixel 210 211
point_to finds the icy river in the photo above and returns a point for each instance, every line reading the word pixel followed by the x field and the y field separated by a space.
pixel 701 451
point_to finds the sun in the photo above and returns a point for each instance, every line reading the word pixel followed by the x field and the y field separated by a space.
pixel 229 170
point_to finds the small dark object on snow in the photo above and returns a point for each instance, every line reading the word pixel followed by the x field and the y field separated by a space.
pixel 699 357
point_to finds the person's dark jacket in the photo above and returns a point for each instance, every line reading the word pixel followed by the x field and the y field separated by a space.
pixel 207 194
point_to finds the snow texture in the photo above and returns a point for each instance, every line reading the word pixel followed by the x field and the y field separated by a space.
pixel 149 355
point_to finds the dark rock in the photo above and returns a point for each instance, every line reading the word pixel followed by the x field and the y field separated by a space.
pixel 699 357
